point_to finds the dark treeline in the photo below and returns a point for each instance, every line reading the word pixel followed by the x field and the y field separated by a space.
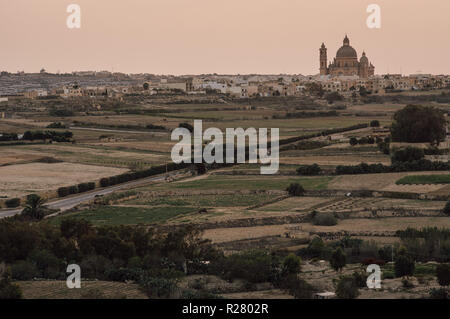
pixel 323 133
pixel 412 166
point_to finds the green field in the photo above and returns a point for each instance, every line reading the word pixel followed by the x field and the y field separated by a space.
pixel 115 215
pixel 222 200
pixel 424 179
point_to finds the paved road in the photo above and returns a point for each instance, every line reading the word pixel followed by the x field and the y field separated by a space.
pixel 68 203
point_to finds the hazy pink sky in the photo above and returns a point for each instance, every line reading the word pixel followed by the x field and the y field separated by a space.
pixel 227 36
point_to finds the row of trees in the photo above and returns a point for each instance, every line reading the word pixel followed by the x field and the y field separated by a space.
pixel 75 189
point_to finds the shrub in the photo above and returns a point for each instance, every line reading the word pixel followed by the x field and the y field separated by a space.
pixel 347 288
pixel 297 287
pixel 438 293
pixel 360 279
pixel 443 274
pixel 325 219
pixel 404 266
pixel 407 154
pixel 8 290
pixel 338 259
pixel 159 288
pixel 63 191
pixel 295 189
pixel 252 266
pixel 72 190
pixel 374 123
pixel 309 170
pixel 104 182
pixel 83 187
pixel 446 209
pixel 12 203
pixel 24 270
pixel 291 265
pixel 407 284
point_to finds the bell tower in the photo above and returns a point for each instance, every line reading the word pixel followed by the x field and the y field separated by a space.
pixel 323 60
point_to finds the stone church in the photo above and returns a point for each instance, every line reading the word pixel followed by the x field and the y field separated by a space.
pixel 346 62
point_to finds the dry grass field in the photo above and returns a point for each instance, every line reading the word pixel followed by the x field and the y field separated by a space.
pixel 20 180
pixel 88 290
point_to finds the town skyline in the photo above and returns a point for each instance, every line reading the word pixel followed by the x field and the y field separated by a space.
pixel 255 37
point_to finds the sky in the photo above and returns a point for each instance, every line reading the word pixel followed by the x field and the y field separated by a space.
pixel 221 36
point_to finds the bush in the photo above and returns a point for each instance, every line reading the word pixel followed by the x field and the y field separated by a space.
pixel 347 288
pixel 360 279
pixel 338 259
pixel 407 154
pixel 291 265
pixel 295 189
pixel 63 192
pixel 374 123
pixel 12 203
pixel 446 209
pixel 407 284
pixel 297 287
pixel 440 293
pixel 325 219
pixel 72 190
pixel 104 182
pixel 309 170
pixel 443 274
pixel 252 266
pixel 404 266
pixel 8 290
pixel 159 288
pixel 24 270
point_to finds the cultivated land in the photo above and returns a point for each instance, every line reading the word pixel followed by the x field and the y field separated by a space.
pixel 237 208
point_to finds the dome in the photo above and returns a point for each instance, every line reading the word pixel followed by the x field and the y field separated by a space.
pixel 346 51
pixel 364 59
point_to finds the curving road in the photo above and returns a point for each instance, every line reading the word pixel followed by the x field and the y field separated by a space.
pixel 70 202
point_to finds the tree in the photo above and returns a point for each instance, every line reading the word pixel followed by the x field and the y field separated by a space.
pixel 446 209
pixel 309 170
pixel 407 154
pixel 418 124
pixel 353 141
pixel 295 189
pixel 146 86
pixel 443 274
pixel 34 207
pixel 347 288
pixel 8 290
pixel 375 123
pixel 338 259
pixel 404 266
pixel 291 264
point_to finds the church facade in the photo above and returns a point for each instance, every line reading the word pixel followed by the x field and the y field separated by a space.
pixel 346 62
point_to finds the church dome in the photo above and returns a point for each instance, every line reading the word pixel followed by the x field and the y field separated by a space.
pixel 346 51
pixel 364 59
